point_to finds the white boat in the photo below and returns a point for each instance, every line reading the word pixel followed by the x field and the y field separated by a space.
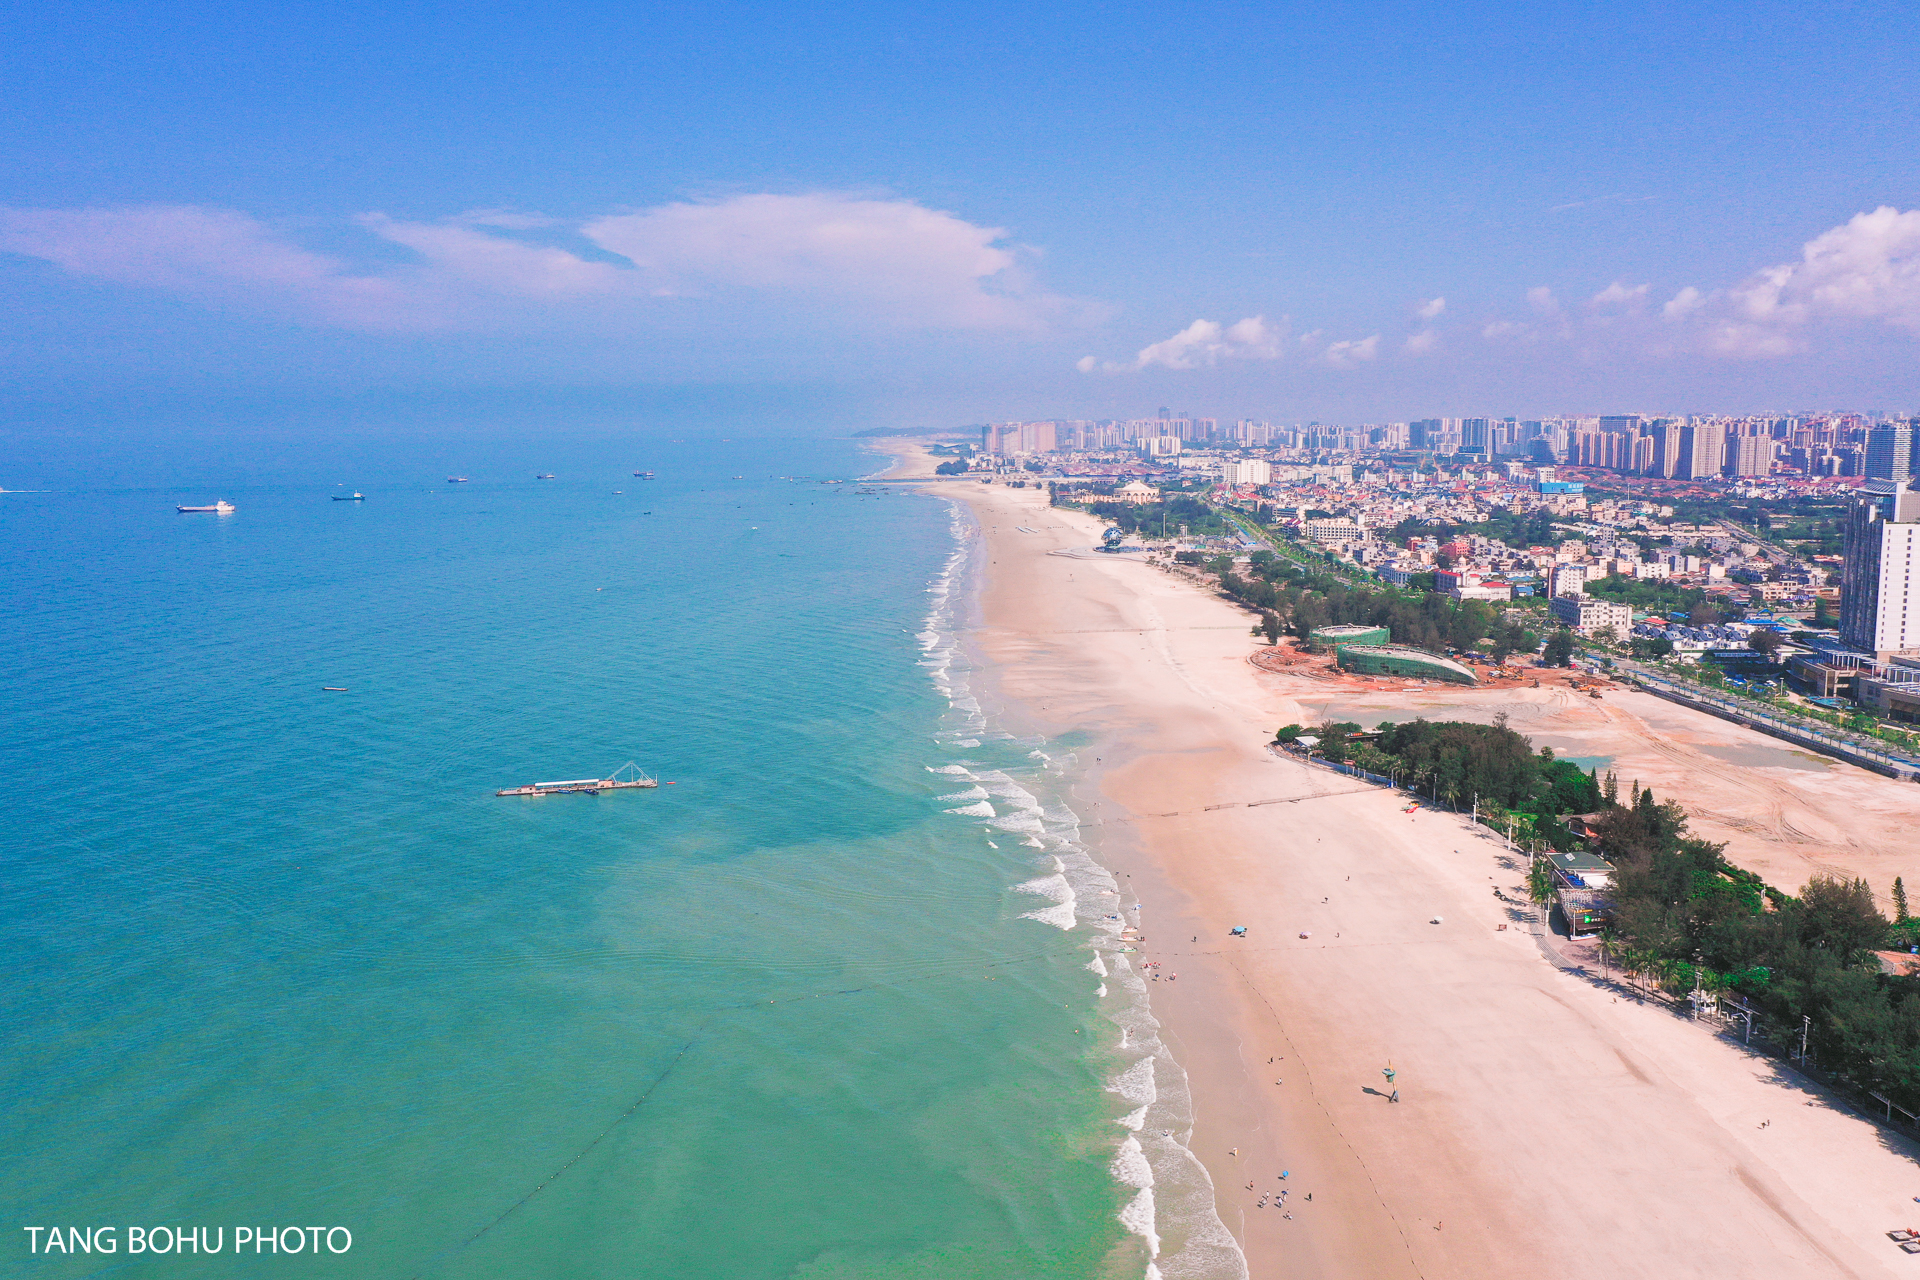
pixel 341 497
pixel 219 508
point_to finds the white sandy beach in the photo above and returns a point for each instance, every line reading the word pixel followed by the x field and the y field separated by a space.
pixel 1544 1124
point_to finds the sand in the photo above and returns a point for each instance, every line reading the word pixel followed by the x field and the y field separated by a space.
pixel 1544 1123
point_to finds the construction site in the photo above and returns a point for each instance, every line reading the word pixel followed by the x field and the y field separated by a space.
pixel 1292 657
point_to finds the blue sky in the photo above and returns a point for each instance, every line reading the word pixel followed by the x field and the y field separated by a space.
pixel 890 214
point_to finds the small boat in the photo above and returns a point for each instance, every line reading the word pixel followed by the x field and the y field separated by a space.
pixel 218 508
pixel 543 475
pixel 644 475
pixel 456 479
pixel 333 688
pixel 341 497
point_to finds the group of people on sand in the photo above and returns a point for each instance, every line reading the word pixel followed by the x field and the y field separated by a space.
pixel 1153 966
pixel 1278 1198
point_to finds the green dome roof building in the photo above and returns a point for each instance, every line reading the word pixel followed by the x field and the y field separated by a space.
pixel 1399 660
pixel 1321 639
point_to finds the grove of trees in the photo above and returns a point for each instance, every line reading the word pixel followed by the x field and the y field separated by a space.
pixel 1303 599
pixel 1677 903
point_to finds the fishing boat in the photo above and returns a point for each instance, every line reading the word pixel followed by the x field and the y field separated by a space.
pixel 456 479
pixel 341 497
pixel 644 475
pixel 218 508
pixel 627 776
pixel 543 475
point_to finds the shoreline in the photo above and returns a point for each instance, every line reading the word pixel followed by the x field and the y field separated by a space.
pixel 1542 1117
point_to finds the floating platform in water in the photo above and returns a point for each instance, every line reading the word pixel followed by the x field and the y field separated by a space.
pixel 627 776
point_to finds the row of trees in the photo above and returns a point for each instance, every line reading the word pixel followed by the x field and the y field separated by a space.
pixel 1678 903
pixel 1302 599
pixel 1679 907
pixel 1490 766
pixel 1178 514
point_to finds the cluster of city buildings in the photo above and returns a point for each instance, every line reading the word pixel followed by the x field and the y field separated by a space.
pixel 1694 447
pixel 1395 500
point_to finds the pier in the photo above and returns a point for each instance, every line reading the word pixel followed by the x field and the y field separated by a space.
pixel 626 776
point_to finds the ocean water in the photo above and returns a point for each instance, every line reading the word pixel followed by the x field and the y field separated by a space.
pixel 844 997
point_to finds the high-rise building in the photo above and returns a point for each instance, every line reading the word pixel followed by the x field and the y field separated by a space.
pixel 1749 455
pixel 1880 586
pixel 1667 436
pixel 1890 451
pixel 1567 580
pixel 1703 450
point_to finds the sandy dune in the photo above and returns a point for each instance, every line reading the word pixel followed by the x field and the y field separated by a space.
pixel 1544 1126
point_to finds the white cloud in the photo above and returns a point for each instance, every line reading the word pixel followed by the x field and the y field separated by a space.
pixel 918 265
pixel 887 263
pixel 1867 268
pixel 1683 303
pixel 215 255
pixel 1431 308
pixel 1541 299
pixel 452 251
pixel 1619 293
pixel 1421 343
pixel 1205 342
pixel 1343 355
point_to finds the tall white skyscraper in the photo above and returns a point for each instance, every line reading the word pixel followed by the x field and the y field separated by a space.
pixel 1880 591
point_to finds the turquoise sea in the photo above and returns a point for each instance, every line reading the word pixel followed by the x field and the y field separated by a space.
pixel 841 998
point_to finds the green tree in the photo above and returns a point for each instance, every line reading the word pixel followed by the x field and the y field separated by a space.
pixel 1899 901
pixel 1540 881
pixel 1559 650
